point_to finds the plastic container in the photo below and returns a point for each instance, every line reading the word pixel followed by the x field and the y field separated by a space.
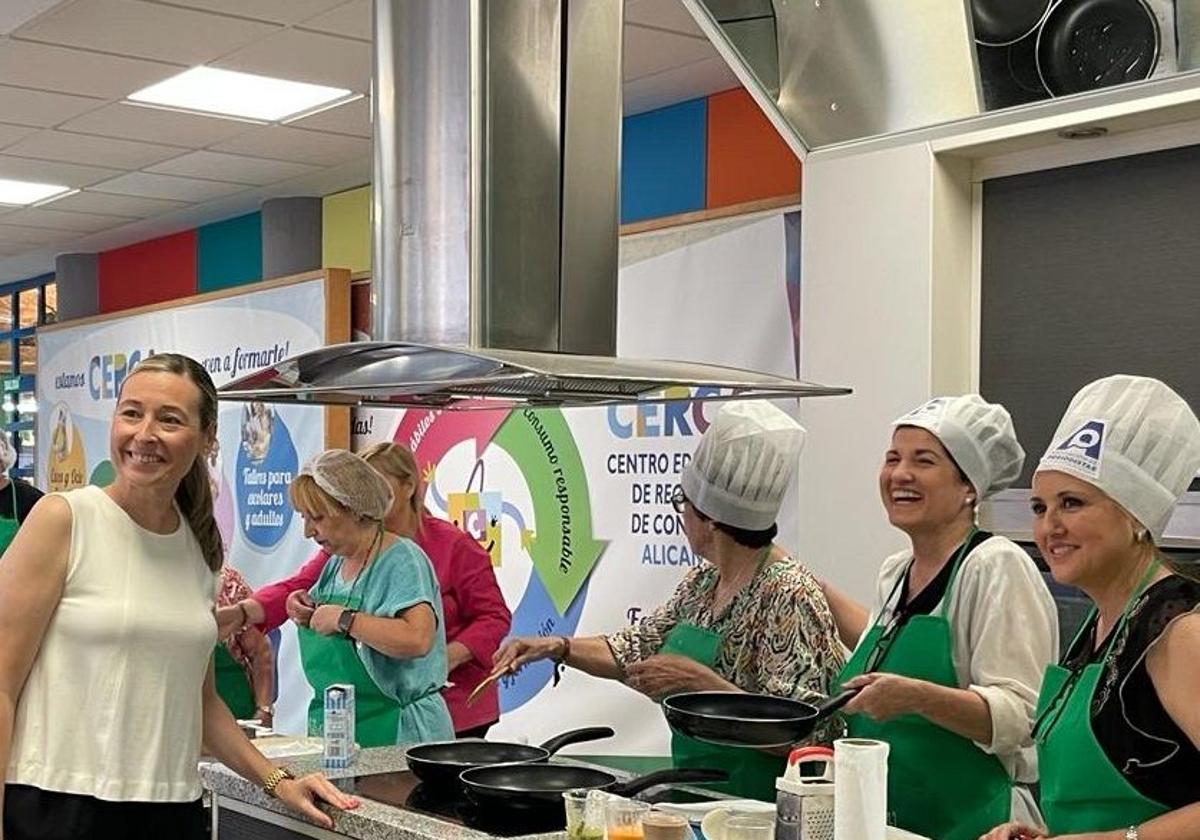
pixel 804 805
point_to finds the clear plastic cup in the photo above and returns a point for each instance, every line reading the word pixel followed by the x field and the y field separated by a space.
pixel 585 814
pixel 624 818
pixel 659 825
pixel 749 827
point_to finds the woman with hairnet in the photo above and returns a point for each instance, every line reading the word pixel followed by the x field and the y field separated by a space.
pixel 750 618
pixel 378 620
pixel 16 496
pixel 962 627
pixel 1118 726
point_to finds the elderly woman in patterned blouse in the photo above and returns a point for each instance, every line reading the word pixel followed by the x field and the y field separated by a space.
pixel 749 619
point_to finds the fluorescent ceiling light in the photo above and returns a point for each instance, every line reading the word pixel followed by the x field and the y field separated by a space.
pixel 27 192
pixel 241 95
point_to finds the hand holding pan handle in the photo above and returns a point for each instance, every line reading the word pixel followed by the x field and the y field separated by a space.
pixel 577 736
pixel 836 702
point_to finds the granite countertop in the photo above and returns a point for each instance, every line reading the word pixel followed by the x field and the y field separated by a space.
pixel 370 820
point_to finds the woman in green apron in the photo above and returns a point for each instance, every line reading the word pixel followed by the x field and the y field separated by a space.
pixel 244 663
pixel 749 618
pixel 17 497
pixel 1117 729
pixel 378 620
pixel 961 629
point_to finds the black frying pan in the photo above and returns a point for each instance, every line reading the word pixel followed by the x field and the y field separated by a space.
pixel 539 787
pixel 1089 44
pixel 738 719
pixel 440 762
pixel 999 23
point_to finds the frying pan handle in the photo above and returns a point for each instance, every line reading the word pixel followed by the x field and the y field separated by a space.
pixel 836 702
pixel 672 776
pixel 577 736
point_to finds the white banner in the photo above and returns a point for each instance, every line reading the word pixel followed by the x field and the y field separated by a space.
pixel 80 370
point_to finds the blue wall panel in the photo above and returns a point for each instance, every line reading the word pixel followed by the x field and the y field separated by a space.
pixel 663 161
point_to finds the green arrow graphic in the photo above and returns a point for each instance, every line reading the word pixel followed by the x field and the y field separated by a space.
pixel 562 547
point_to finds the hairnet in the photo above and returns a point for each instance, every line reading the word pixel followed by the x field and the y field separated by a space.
pixel 8 455
pixel 744 464
pixel 352 482
pixel 1135 439
pixel 979 436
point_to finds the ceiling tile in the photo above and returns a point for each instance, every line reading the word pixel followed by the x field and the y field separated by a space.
pixel 41 107
pixel 156 125
pixel 678 84
pixel 306 57
pixel 351 19
pixel 16 235
pixel 277 11
pixel 88 148
pixel 76 71
pixel 52 172
pixel 13 13
pixel 351 118
pixel 650 51
pixel 283 142
pixel 224 167
pixel 134 207
pixel 145 30
pixel 10 134
pixel 151 185
pixel 661 14
pixel 44 217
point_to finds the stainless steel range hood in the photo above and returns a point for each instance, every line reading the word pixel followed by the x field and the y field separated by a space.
pixel 497 128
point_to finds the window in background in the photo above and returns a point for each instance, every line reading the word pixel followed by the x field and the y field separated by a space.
pixel 24 306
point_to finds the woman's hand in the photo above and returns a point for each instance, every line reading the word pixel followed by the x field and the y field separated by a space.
pixel 230 620
pixel 305 793
pixel 324 619
pixel 1013 831
pixel 300 607
pixel 516 653
pixel 885 696
pixel 664 674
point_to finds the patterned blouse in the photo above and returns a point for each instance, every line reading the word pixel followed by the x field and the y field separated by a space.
pixel 233 589
pixel 779 635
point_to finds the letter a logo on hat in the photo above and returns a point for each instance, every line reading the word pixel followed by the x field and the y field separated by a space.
pixel 1082 449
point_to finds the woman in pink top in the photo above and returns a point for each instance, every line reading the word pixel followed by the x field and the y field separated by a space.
pixel 476 616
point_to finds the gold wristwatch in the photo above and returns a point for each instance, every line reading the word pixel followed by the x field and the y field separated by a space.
pixel 274 778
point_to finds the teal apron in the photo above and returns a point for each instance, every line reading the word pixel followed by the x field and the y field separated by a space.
pixel 8 527
pixel 232 684
pixel 1081 790
pixel 752 772
pixel 939 783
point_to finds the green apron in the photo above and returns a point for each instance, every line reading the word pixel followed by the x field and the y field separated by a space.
pixel 334 659
pixel 8 527
pixel 940 784
pixel 1081 790
pixel 232 684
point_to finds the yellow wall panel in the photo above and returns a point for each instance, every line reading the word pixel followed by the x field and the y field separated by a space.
pixel 346 230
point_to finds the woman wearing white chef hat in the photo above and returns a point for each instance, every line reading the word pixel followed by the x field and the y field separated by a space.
pixel 960 633
pixel 1118 724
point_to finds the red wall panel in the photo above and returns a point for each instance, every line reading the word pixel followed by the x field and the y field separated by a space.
pixel 747 159
pixel 148 272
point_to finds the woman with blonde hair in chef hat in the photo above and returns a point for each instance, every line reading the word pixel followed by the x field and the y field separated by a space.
pixel 1118 725
pixel 750 618
pixel 949 660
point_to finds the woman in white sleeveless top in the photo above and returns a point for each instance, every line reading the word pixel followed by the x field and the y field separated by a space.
pixel 107 634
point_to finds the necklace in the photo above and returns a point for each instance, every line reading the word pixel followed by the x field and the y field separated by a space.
pixel 376 547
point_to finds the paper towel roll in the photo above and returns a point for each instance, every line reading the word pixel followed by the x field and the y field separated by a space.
pixel 859 789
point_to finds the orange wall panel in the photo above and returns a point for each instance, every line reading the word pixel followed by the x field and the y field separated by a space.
pixel 747 159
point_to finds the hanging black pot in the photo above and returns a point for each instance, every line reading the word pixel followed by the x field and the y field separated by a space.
pixel 999 23
pixel 1089 44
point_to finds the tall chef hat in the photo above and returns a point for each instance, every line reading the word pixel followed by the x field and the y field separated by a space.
pixel 1135 439
pixel 744 464
pixel 979 436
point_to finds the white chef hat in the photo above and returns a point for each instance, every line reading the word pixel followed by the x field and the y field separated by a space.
pixel 979 436
pixel 1135 439
pixel 743 465
pixel 352 482
pixel 8 455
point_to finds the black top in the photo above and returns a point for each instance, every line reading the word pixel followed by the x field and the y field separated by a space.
pixel 929 597
pixel 1140 739
pixel 27 496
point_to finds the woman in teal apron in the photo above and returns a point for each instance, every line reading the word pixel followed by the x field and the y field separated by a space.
pixel 748 618
pixel 961 630
pixel 1116 731
pixel 378 620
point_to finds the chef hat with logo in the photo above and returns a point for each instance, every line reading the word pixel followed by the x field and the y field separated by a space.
pixel 1133 438
pixel 744 464
pixel 979 436
pixel 351 481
